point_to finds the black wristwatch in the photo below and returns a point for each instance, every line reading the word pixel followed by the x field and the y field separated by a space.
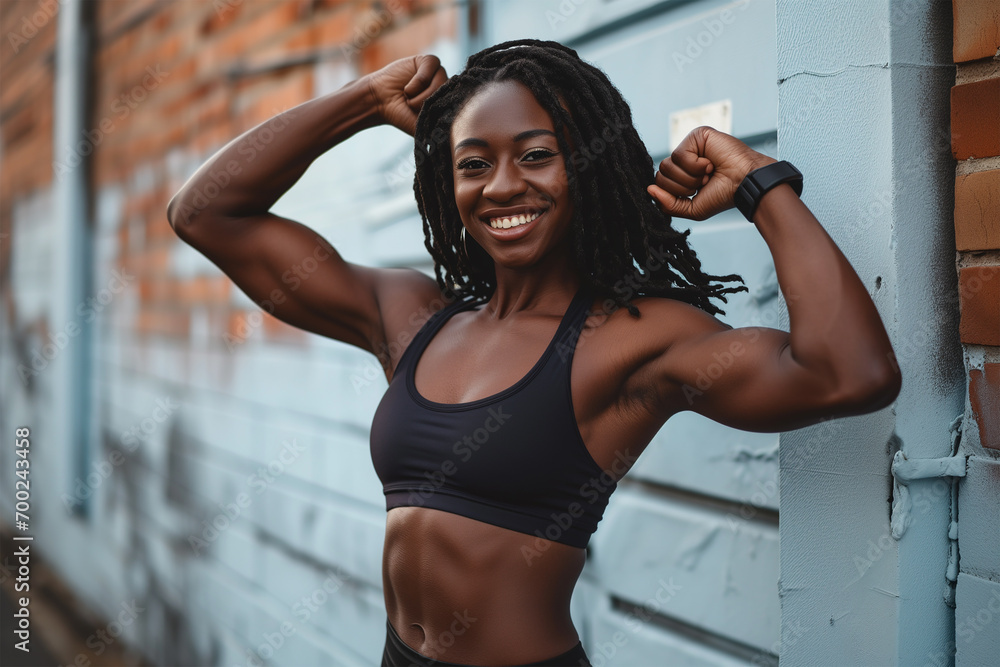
pixel 759 181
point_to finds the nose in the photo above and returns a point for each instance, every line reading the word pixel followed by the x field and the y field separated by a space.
pixel 505 182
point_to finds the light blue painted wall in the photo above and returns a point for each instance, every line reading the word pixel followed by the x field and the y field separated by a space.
pixel 863 112
pixel 699 510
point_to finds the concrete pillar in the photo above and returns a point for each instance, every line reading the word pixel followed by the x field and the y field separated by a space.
pixel 863 113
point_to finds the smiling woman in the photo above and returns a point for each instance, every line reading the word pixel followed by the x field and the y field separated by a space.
pixel 500 440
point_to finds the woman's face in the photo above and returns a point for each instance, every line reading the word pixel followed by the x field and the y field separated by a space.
pixel 506 164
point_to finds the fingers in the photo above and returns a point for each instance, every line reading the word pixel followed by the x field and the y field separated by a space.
pixel 437 79
pixel 671 203
pixel 677 181
pixel 690 155
pixel 427 66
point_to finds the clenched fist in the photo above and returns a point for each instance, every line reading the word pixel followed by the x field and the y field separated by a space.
pixel 703 173
pixel 399 89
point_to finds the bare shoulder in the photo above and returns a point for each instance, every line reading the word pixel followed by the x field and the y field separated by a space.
pixel 661 321
pixel 630 347
pixel 407 299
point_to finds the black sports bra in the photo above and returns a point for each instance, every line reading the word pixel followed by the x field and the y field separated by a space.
pixel 514 459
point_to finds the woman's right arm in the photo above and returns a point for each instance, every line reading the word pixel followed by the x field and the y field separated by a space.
pixel 285 267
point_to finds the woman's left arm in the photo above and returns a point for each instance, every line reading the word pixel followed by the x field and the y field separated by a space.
pixel 836 360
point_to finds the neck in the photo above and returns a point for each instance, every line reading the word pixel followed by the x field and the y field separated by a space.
pixel 544 286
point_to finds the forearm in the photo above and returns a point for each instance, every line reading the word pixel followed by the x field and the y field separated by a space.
pixel 251 172
pixel 835 329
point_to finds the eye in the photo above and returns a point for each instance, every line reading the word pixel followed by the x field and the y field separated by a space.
pixel 541 153
pixel 469 162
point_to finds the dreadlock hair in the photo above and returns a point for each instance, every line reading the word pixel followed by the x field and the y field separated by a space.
pixel 618 232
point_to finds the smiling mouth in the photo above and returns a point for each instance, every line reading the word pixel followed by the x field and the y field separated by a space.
pixel 513 220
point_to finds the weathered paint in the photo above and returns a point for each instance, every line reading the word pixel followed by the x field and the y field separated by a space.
pixel 863 102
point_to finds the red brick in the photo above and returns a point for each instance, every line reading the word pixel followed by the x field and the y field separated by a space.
pixel 984 398
pixel 203 290
pixel 975 119
pixel 406 40
pixel 267 26
pixel 213 109
pixel 163 322
pixel 977 211
pixel 145 290
pixel 333 29
pixel 222 14
pixel 243 325
pixel 157 226
pixel 979 305
pixel 976 25
pixel 332 4
pixel 276 330
pixel 122 240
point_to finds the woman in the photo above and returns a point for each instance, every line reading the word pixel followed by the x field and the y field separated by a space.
pixel 570 321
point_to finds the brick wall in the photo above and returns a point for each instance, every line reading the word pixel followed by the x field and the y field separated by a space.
pixel 27 59
pixel 975 123
pixel 196 389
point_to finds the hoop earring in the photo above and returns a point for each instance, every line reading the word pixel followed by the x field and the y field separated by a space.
pixel 465 246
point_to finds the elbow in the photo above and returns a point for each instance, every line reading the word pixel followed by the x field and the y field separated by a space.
pixel 874 391
pixel 180 215
pixel 172 212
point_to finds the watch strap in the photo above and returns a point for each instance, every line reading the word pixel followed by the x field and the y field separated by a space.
pixel 759 181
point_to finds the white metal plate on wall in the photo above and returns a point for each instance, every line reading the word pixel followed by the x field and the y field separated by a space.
pixel 714 114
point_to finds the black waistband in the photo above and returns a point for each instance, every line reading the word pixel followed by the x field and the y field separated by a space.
pixel 398 653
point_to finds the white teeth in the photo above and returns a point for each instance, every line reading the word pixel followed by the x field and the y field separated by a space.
pixel 515 221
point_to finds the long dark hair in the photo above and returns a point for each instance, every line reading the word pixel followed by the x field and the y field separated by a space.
pixel 619 235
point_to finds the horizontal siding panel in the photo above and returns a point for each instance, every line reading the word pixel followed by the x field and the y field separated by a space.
pixel 977 614
pixel 716 68
pixel 562 20
pixel 978 528
pixel 623 640
pixel 330 532
pixel 247 614
pixel 336 382
pixel 725 569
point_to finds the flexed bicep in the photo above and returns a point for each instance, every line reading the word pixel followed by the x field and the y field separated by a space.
pixel 745 378
pixel 297 276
